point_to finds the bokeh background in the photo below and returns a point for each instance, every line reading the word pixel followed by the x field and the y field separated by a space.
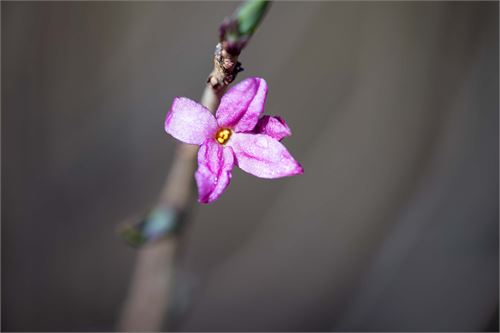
pixel 394 109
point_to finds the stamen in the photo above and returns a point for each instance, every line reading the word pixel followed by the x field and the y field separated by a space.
pixel 223 135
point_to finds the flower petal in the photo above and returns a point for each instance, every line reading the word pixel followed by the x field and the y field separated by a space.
pixel 263 156
pixel 241 107
pixel 189 121
pixel 215 163
pixel 275 127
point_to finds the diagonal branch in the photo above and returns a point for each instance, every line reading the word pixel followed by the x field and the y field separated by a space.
pixel 150 291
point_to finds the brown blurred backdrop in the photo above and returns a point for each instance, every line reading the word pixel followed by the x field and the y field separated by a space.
pixel 394 109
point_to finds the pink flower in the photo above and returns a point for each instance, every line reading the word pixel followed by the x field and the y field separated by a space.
pixel 234 135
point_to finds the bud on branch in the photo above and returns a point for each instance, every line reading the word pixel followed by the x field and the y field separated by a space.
pixel 235 32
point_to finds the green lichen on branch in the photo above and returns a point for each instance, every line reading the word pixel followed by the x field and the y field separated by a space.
pixel 157 224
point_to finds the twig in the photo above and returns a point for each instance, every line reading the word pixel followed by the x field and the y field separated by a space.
pixel 150 292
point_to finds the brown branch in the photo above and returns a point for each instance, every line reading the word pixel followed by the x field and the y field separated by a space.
pixel 150 292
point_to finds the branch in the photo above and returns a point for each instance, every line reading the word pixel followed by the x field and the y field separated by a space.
pixel 150 291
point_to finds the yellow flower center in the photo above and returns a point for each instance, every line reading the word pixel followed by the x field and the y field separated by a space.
pixel 223 135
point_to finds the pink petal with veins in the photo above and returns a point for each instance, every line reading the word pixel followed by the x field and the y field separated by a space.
pixel 241 107
pixel 189 121
pixel 215 163
pixel 275 127
pixel 263 156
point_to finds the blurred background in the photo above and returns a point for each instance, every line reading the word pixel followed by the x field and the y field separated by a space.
pixel 394 112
